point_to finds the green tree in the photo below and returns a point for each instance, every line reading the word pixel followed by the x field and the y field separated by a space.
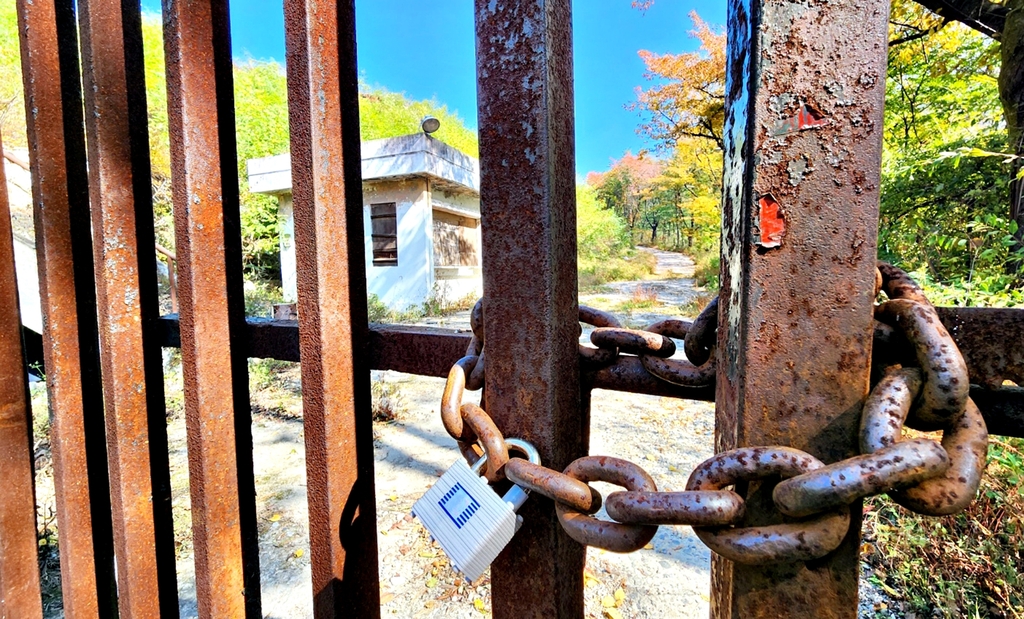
pixel 12 98
pixel 261 121
pixel 943 205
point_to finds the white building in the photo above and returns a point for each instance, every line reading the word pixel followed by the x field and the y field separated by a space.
pixel 19 194
pixel 421 214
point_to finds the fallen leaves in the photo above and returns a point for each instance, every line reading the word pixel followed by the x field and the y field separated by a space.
pixel 611 604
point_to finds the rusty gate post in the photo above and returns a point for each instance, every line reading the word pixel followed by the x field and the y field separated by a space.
pixel 208 234
pixel 323 109
pixel 527 204
pixel 805 87
pixel 121 201
pixel 60 195
pixel 19 566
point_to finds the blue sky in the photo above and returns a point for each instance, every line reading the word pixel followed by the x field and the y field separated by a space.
pixel 425 48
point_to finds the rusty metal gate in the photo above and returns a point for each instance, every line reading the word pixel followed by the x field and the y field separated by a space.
pixel 805 83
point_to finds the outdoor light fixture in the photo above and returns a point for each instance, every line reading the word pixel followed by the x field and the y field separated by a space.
pixel 429 124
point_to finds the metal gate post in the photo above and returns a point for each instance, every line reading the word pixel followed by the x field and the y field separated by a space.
pixel 121 202
pixel 527 203
pixel 67 291
pixel 805 86
pixel 218 419
pixel 19 587
pixel 323 107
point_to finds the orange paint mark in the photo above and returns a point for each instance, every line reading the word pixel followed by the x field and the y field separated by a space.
pixel 772 222
pixel 807 117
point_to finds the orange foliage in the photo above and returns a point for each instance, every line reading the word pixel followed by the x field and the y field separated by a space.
pixel 688 99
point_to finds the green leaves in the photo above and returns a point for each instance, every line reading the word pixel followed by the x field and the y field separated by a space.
pixel 946 169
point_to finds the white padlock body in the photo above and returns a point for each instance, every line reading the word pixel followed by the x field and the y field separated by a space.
pixel 465 516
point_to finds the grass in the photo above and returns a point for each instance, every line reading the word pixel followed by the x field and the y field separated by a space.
pixel 706 269
pixel 631 266
pixel 697 304
pixel 641 299
pixel 967 565
pixel 437 304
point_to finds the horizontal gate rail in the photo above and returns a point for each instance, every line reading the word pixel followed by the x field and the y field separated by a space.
pixel 988 338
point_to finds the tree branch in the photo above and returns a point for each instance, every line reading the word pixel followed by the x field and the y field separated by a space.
pixel 984 16
pixel 918 34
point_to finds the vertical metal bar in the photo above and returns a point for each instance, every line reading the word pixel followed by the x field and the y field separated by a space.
pixel 802 160
pixel 19 568
pixel 53 97
pixel 207 231
pixel 323 104
pixel 126 287
pixel 527 203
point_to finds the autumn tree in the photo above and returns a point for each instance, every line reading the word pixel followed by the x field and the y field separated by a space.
pixel 690 187
pixel 625 187
pixel 688 97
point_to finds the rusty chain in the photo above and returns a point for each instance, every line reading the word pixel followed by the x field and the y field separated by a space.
pixel 926 388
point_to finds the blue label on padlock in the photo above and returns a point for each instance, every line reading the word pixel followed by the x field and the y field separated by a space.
pixel 459 505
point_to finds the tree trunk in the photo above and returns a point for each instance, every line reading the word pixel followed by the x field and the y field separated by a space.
pixel 1011 94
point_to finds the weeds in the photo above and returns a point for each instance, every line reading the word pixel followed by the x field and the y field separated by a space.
pixel 260 298
pixel 275 388
pixel 49 562
pixel 697 304
pixel 967 565
pixel 641 299
pixel 387 401
pixel 437 304
pixel 706 269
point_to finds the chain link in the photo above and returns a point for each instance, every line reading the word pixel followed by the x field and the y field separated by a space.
pixel 813 499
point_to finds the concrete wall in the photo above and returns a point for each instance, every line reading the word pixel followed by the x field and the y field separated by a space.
pixel 408 283
pixel 416 277
pixel 287 245
pixel 398 287
pixel 28 284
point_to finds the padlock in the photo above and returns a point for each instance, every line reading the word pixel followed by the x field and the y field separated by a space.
pixel 470 521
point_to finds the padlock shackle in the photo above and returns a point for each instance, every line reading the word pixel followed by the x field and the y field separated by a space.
pixel 525 448
pixel 512 444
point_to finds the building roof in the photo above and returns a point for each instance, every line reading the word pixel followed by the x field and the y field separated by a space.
pixel 389 158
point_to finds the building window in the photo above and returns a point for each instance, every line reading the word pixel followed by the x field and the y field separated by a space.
pixel 455 240
pixel 384 233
